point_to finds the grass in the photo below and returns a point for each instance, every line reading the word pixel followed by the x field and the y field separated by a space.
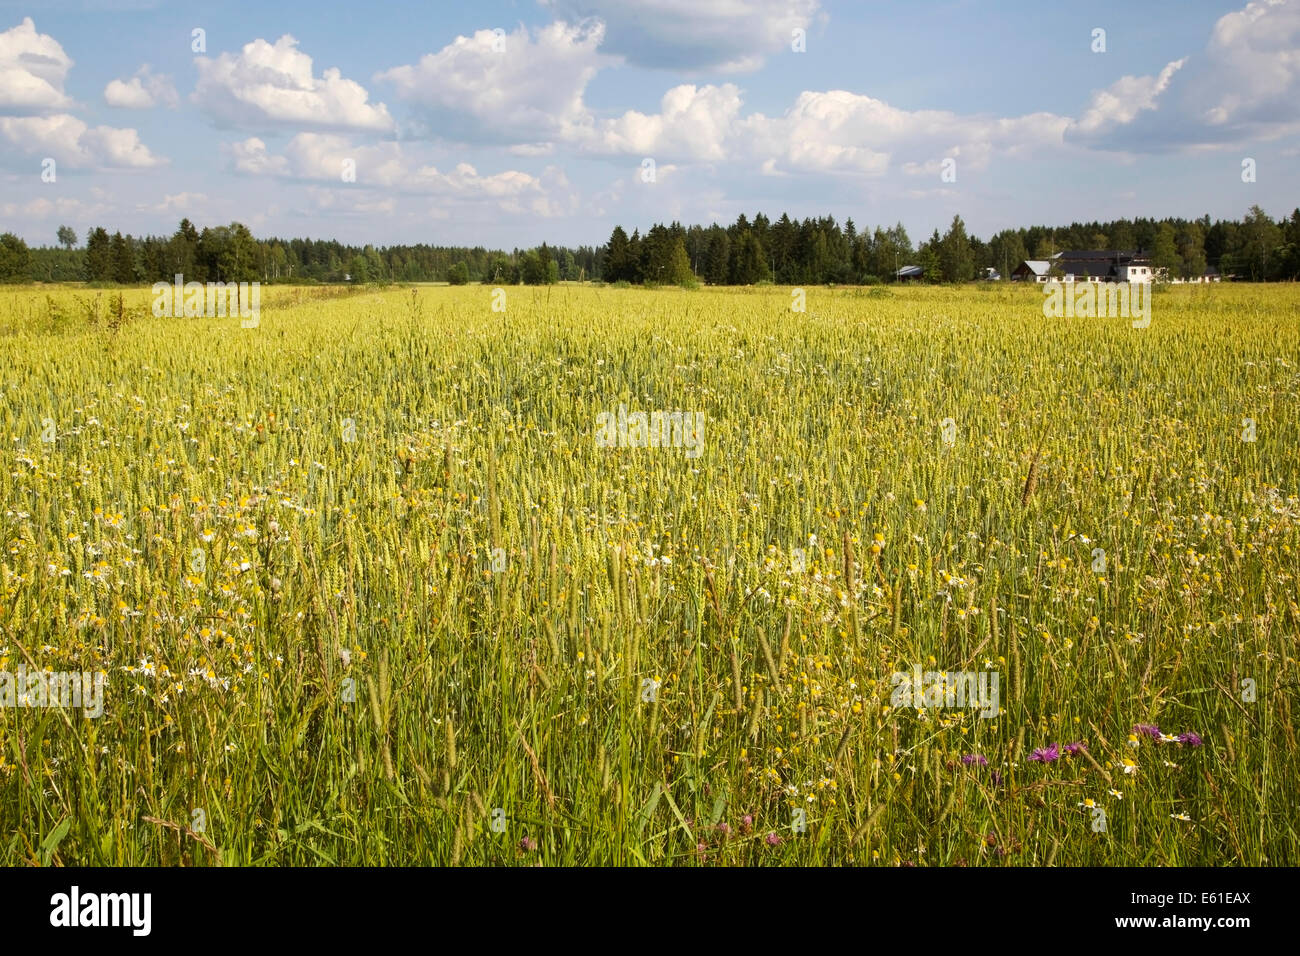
pixel 279 545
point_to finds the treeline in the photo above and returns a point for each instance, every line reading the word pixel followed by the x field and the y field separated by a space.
pixel 232 253
pixel 787 251
pixel 816 251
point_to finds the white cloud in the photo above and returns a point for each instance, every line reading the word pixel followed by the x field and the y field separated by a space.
pixel 69 141
pixel 724 35
pixel 693 122
pixel 321 156
pixel 486 87
pixel 831 131
pixel 251 157
pixel 61 207
pixel 270 85
pixel 318 158
pixel 531 149
pixel 350 204
pixel 143 91
pixel 1124 99
pixel 1255 57
pixel 184 203
pixel 33 68
pixel 528 90
pixel 1244 87
pixel 464 181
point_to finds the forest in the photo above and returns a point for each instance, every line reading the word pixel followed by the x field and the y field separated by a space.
pixel 785 251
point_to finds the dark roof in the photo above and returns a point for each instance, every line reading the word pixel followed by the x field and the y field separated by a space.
pixel 1098 262
pixel 1087 267
pixel 911 271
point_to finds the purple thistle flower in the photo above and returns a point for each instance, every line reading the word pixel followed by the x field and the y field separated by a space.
pixel 978 759
pixel 1192 740
pixel 1046 754
pixel 1075 747
pixel 1150 730
pixel 773 839
pixel 527 844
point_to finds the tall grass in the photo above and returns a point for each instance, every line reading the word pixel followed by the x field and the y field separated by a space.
pixel 279 546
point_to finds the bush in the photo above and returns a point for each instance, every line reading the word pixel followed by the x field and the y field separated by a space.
pixel 458 274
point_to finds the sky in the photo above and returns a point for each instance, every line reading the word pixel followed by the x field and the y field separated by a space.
pixel 506 124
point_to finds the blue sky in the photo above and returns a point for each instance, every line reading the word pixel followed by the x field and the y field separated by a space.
pixel 462 136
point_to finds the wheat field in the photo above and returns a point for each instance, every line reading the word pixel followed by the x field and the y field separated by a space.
pixel 365 588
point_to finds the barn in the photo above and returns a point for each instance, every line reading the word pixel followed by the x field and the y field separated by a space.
pixel 1088 265
pixel 1031 270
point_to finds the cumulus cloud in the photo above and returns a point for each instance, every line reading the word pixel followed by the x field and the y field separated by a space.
pixel 59 207
pixel 724 35
pixel 143 91
pixel 71 142
pixel 839 130
pixel 693 122
pixel 485 88
pixel 832 131
pixel 519 87
pixel 1245 86
pixel 327 157
pixel 1254 60
pixel 319 158
pixel 1124 99
pixel 33 68
pixel 251 157
pixel 272 85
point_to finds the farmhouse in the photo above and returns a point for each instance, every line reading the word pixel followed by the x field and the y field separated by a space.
pixel 1088 265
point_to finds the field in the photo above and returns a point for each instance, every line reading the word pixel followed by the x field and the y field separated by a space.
pixel 280 545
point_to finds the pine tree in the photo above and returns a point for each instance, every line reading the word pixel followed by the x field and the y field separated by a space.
pixel 956 261
pixel 123 258
pixel 99 255
pixel 617 256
